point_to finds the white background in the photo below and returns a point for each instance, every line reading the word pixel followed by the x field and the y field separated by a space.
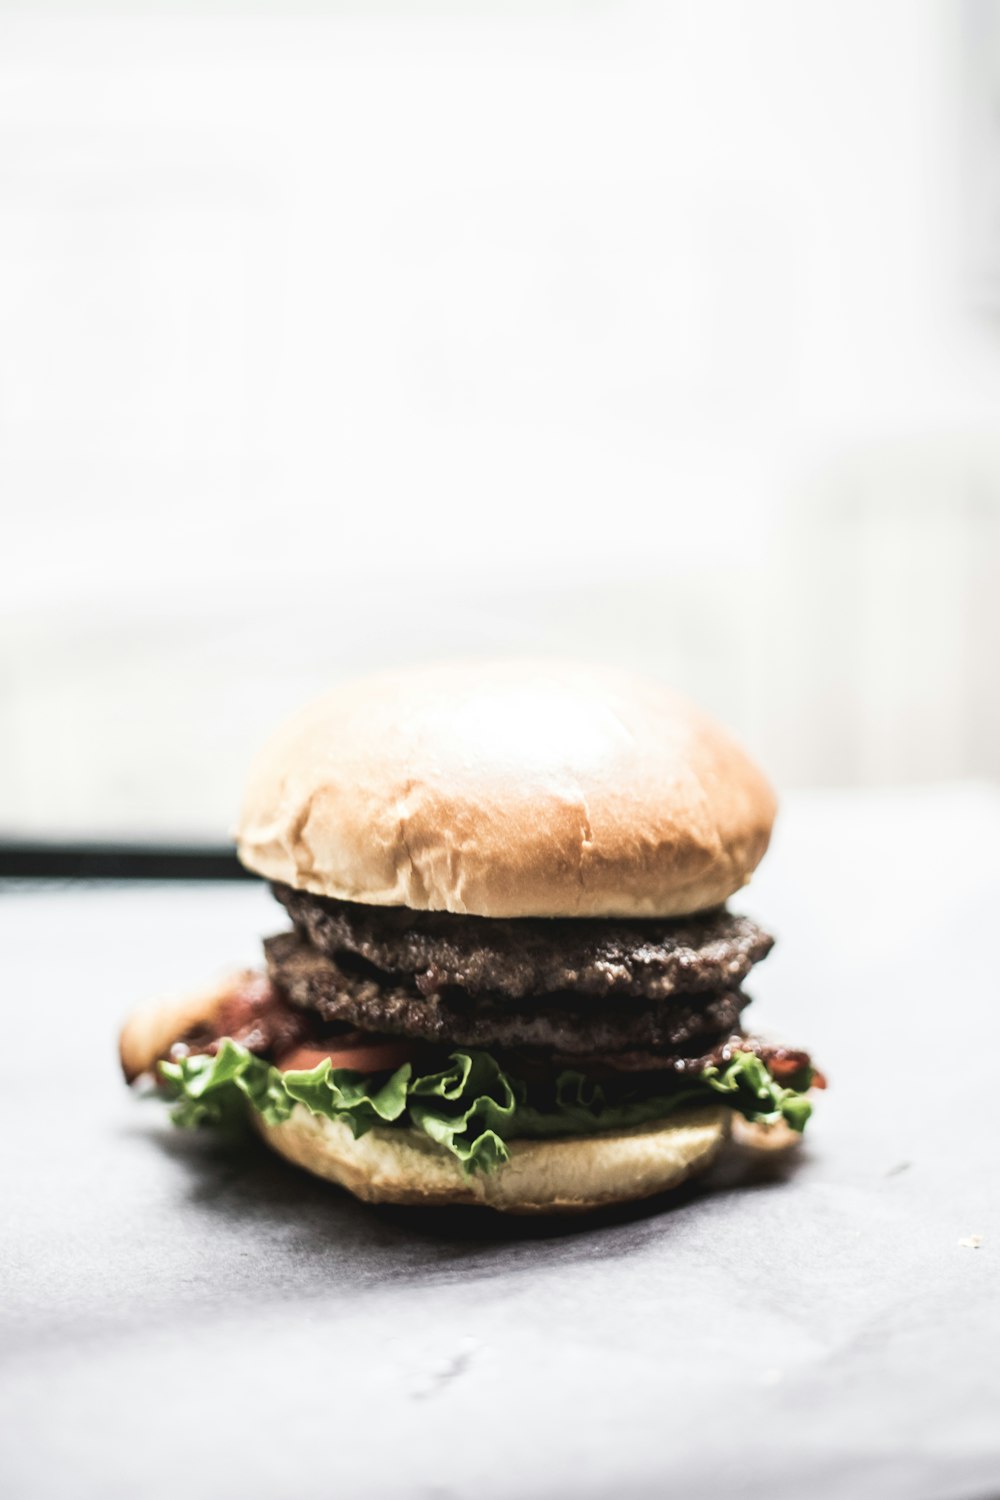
pixel 339 336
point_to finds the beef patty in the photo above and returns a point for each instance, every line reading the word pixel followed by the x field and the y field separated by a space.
pixel 651 959
pixel 351 990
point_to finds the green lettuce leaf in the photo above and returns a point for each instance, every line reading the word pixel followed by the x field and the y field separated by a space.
pixel 471 1108
pixel 216 1090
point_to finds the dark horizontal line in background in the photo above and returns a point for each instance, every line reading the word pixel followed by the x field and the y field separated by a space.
pixel 103 861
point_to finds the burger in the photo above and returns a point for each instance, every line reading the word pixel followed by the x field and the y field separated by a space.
pixel 510 976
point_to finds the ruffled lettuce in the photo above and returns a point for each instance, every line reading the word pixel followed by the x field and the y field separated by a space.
pixel 472 1107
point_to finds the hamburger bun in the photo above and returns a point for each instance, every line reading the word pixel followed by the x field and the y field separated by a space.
pixel 507 789
pixel 568 1175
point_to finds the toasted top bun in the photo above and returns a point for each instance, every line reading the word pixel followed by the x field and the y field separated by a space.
pixel 507 789
pixel 567 1175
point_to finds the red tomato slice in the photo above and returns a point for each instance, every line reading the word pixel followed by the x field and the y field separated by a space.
pixel 362 1056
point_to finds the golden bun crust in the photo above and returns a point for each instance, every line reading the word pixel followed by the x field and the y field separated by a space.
pixel 507 789
pixel 568 1175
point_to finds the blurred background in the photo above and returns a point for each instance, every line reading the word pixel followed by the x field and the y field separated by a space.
pixel 339 335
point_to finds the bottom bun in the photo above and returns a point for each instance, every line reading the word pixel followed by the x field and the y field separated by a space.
pixel 567 1175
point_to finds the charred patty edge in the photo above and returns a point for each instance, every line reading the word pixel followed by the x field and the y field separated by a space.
pixel 525 956
pixel 389 1005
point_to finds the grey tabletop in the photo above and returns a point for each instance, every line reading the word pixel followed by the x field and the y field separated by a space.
pixel 182 1319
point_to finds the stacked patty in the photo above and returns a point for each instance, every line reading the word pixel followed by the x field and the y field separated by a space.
pixel 637 995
